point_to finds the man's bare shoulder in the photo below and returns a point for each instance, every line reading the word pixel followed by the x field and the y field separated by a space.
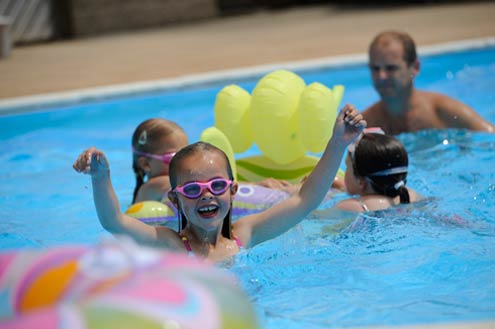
pixel 436 99
pixel 454 113
pixel 376 115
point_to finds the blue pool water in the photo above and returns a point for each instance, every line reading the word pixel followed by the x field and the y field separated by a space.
pixel 433 262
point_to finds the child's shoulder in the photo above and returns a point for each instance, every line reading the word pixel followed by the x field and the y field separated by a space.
pixel 352 204
pixel 158 181
pixel 413 195
pixel 154 189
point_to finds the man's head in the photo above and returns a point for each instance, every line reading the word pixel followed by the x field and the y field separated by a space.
pixel 393 63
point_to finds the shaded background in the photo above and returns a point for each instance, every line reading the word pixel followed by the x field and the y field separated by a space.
pixel 68 45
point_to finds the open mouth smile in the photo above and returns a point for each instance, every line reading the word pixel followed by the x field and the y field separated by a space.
pixel 208 211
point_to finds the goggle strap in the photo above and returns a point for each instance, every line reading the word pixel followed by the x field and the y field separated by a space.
pixel 390 171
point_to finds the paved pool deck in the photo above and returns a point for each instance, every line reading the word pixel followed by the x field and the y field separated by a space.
pixel 264 37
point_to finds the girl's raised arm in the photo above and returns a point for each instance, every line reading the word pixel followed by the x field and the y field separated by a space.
pixel 272 222
pixel 94 162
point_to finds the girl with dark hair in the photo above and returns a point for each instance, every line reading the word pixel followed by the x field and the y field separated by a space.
pixel 377 166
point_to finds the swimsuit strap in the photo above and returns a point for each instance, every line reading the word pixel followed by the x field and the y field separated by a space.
pixel 185 240
pixel 239 243
pixel 187 244
pixel 363 205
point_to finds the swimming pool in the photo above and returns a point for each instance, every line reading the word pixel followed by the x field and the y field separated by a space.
pixel 416 266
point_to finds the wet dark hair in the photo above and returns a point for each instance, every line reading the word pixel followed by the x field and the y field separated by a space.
pixel 174 168
pixel 146 138
pixel 377 152
pixel 410 55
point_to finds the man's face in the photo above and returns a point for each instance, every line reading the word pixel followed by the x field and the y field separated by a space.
pixel 390 73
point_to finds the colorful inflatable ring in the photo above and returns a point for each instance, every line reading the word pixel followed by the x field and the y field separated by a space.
pixel 118 285
pixel 284 117
pixel 154 213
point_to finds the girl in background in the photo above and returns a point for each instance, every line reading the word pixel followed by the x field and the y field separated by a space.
pixel 376 173
pixel 154 143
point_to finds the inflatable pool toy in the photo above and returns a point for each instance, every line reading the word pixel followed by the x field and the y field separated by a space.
pixel 215 137
pixel 257 168
pixel 317 113
pixel 249 199
pixel 284 117
pixel 154 213
pixel 118 285
pixel 232 117
pixel 274 119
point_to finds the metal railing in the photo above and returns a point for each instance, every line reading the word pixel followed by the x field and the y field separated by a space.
pixel 30 20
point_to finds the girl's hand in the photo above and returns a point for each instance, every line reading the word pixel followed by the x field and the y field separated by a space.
pixel 349 124
pixel 93 162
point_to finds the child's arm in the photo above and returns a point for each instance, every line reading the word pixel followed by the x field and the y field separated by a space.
pixel 94 163
pixel 272 222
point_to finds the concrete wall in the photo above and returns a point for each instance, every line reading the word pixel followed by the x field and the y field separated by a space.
pixel 93 17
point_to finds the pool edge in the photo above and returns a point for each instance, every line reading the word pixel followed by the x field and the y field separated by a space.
pixel 38 102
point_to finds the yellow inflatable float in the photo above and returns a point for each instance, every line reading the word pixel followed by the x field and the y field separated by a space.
pixel 284 117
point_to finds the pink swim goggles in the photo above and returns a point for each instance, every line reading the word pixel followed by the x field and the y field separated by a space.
pixel 165 158
pixel 193 190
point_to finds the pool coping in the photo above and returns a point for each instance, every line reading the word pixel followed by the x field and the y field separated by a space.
pixel 39 102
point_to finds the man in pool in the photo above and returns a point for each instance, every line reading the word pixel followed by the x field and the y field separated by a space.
pixel 402 108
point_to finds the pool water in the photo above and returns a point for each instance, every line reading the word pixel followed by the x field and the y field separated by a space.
pixel 427 263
